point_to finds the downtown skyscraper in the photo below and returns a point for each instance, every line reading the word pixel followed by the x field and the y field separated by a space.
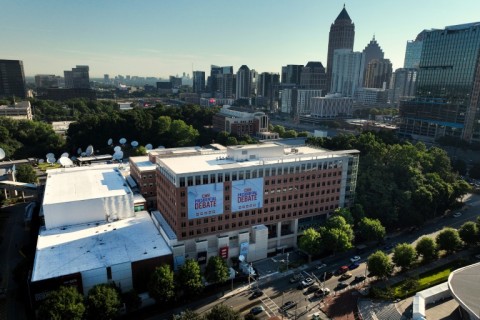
pixel 341 36
pixel 12 79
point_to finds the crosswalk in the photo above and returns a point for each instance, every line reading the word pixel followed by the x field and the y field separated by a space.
pixel 270 306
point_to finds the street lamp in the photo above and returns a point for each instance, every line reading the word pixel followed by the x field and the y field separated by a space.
pixel 287 260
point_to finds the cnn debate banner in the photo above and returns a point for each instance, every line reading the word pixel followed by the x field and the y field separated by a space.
pixel 247 194
pixel 205 200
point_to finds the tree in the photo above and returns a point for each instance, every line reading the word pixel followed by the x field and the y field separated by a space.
pixel 216 270
pixel 448 239
pixel 469 232
pixel 26 173
pixel 132 300
pixel 404 255
pixel 222 312
pixel 427 247
pixel 337 235
pixel 189 278
pixel 140 151
pixel 310 242
pixel 63 303
pixel 372 229
pixel 346 214
pixel 103 302
pixel 161 286
pixel 188 315
pixel 379 264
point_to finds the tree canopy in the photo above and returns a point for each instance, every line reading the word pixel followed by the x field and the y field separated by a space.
pixel 372 229
pixel 103 302
pixel 161 286
pixel 427 248
pixel 222 312
pixel 379 264
pixel 26 173
pixel 448 239
pixel 189 278
pixel 216 270
pixel 63 303
pixel 469 232
pixel 404 255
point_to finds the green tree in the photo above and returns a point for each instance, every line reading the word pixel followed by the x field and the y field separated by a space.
pixel 103 302
pixel 448 239
pixel 469 232
pixel 427 247
pixel 189 278
pixel 222 312
pixel 182 134
pixel 372 229
pixel 161 285
pixel 216 270
pixel 140 151
pixel 290 134
pixel 309 242
pixel 26 173
pixel 188 315
pixel 404 255
pixel 379 264
pixel 337 235
pixel 346 214
pixel 63 303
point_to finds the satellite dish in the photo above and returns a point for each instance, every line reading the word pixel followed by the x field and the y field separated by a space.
pixel 241 257
pixel 118 155
pixel 66 162
pixel 51 160
pixel 79 151
pixel 64 155
pixel 83 154
pixel 41 161
pixel 2 154
pixel 50 155
pixel 134 144
pixel 110 141
pixel 117 148
pixel 89 150
pixel 123 140
pixel 149 146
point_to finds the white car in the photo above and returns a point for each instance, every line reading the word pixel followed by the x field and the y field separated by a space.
pixel 307 282
pixel 457 214
pixel 354 259
pixel 321 266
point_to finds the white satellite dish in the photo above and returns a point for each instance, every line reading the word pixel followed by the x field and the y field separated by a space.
pixel 134 143
pixel 89 150
pixel 50 155
pixel 2 154
pixel 110 141
pixel 66 162
pixel 123 140
pixel 64 155
pixel 51 160
pixel 117 148
pixel 41 161
pixel 241 257
pixel 149 146
pixel 118 155
pixel 79 151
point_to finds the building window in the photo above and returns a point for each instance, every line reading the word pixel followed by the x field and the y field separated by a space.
pixel 109 273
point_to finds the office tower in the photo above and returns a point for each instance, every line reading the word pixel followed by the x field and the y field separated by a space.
pixel 402 85
pixel 448 87
pixel 243 83
pixel 198 81
pixel 341 36
pixel 47 81
pixel 347 72
pixel 106 79
pixel 220 83
pixel 77 78
pixel 372 51
pixel 176 82
pixel 378 74
pixel 12 79
pixel 267 88
pixel 297 102
pixel 253 80
pixel 291 74
pixel 413 51
pixel 313 77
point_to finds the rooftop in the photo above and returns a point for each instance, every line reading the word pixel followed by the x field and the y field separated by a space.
pixel 463 284
pixel 63 251
pixel 143 163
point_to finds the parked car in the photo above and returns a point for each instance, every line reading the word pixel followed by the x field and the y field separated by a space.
pixel 313 289
pixel 457 214
pixel 307 282
pixel 359 278
pixel 355 258
pixel 256 294
pixel 353 266
pixel 288 305
pixel 257 310
pixel 322 292
pixel 342 270
pixel 325 276
pixel 345 276
pixel 296 277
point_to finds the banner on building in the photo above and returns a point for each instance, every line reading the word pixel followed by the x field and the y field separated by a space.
pixel 247 194
pixel 205 200
pixel 202 257
pixel 244 249
pixel 223 252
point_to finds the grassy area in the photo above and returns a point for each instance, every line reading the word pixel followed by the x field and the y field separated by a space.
pixel 45 166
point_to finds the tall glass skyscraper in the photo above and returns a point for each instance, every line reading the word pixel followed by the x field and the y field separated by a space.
pixel 448 86
pixel 12 79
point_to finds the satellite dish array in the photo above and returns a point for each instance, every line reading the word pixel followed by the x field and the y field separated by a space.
pixel 2 154
pixel 51 158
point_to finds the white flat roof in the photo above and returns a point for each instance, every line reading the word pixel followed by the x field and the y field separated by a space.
pixel 82 183
pixel 217 160
pixel 63 251
pixel 143 163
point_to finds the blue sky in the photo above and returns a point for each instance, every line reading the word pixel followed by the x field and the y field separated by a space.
pixel 166 37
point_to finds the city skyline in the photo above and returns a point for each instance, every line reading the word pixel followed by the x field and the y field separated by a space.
pixel 165 38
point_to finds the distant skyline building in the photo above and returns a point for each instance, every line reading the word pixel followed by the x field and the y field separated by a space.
pixel 372 51
pixel 12 79
pixel 448 87
pixel 331 106
pixel 347 72
pixel 220 83
pixel 297 102
pixel 267 88
pixel 291 74
pixel 402 85
pixel 413 51
pixel 198 81
pixel 77 78
pixel 106 79
pixel 341 36
pixel 314 77
pixel 47 81
pixel 378 74
pixel 243 83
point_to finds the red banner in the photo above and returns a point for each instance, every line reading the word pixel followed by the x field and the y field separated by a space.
pixel 223 252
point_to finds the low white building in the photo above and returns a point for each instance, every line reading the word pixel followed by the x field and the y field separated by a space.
pixel 331 106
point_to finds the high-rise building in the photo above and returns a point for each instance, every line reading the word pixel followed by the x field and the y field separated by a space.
pixel 12 79
pixel 372 51
pixel 402 85
pixel 413 51
pixel 291 74
pixel 47 81
pixel 220 83
pixel 106 79
pixel 341 36
pixel 267 88
pixel 448 86
pixel 243 83
pixel 378 74
pixel 198 81
pixel 314 77
pixel 347 72
pixel 77 78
